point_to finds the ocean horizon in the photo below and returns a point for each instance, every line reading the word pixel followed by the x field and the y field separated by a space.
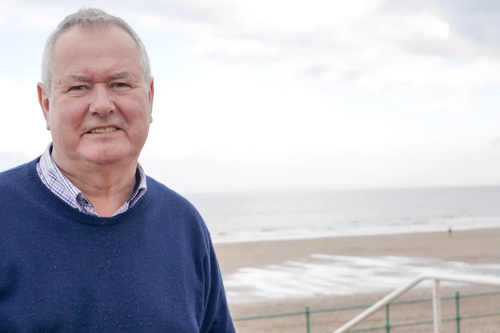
pixel 259 216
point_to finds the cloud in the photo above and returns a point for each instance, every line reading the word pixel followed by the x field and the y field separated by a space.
pixel 23 131
pixel 473 20
pixel 372 45
pixel 496 142
pixel 231 50
pixel 456 103
pixel 30 15
pixel 39 21
pixel 323 93
pixel 369 44
pixel 476 20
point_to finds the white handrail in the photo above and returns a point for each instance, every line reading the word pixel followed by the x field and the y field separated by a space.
pixel 436 297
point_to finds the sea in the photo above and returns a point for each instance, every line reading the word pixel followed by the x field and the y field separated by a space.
pixel 254 216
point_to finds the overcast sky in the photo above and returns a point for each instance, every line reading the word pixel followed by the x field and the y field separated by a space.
pixel 272 94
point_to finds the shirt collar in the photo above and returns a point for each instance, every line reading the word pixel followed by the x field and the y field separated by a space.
pixel 52 177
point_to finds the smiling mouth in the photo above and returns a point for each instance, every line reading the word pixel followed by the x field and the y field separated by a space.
pixel 103 130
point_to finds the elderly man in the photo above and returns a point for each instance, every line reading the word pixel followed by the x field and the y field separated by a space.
pixel 88 242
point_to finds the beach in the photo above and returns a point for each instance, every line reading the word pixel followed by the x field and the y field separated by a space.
pixel 479 249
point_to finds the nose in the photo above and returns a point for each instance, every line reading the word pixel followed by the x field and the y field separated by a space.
pixel 101 103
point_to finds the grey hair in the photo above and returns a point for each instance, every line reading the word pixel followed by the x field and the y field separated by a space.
pixel 89 19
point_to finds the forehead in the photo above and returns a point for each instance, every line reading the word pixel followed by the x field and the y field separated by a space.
pixel 103 49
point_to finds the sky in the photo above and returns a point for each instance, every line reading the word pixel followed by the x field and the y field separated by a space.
pixel 290 95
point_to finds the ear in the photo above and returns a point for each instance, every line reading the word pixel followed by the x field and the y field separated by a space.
pixel 151 95
pixel 43 99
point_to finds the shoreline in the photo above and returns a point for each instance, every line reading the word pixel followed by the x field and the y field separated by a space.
pixel 475 245
pixel 363 233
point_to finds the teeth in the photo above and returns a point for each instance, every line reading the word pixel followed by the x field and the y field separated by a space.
pixel 104 130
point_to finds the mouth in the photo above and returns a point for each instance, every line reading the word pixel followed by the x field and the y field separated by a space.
pixel 103 130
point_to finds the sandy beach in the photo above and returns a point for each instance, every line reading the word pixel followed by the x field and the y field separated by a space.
pixel 474 247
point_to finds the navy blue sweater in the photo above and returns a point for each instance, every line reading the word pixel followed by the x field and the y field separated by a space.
pixel 150 269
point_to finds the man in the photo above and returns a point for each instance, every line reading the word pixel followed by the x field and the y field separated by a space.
pixel 88 242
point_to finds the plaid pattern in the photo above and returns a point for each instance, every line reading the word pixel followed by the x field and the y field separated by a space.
pixel 52 177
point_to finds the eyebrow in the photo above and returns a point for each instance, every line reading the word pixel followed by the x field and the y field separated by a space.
pixel 115 76
pixel 76 78
pixel 119 75
pixel 122 75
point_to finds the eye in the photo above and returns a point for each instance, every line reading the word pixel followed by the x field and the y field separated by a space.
pixel 121 85
pixel 78 88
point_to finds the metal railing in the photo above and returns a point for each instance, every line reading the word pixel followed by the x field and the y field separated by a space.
pixel 458 318
pixel 436 297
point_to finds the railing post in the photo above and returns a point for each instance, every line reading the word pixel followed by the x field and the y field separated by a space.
pixel 457 302
pixel 436 305
pixel 387 323
pixel 308 326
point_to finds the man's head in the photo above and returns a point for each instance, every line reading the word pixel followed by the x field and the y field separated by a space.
pixel 98 93
pixel 89 19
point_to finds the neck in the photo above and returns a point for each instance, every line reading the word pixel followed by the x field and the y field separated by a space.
pixel 106 187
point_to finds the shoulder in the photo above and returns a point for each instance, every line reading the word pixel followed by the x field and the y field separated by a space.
pixel 17 189
pixel 9 173
pixel 169 200
pixel 165 194
pixel 13 176
pixel 178 213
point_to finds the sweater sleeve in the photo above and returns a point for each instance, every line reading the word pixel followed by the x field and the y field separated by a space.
pixel 217 318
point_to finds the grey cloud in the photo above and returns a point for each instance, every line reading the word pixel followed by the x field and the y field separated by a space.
pixel 477 20
pixel 495 142
pixel 482 28
pixel 314 70
pixel 475 32
pixel 443 6
pixel 470 6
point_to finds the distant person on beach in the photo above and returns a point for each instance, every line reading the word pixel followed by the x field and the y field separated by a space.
pixel 88 242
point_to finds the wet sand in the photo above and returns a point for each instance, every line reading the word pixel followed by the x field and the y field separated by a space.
pixel 475 246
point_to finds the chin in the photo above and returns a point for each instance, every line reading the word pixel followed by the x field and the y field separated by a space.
pixel 108 156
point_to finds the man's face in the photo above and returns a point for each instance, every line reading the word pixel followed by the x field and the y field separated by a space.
pixel 99 109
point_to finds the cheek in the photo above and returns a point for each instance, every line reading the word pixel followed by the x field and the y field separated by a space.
pixel 141 127
pixel 137 114
pixel 65 123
